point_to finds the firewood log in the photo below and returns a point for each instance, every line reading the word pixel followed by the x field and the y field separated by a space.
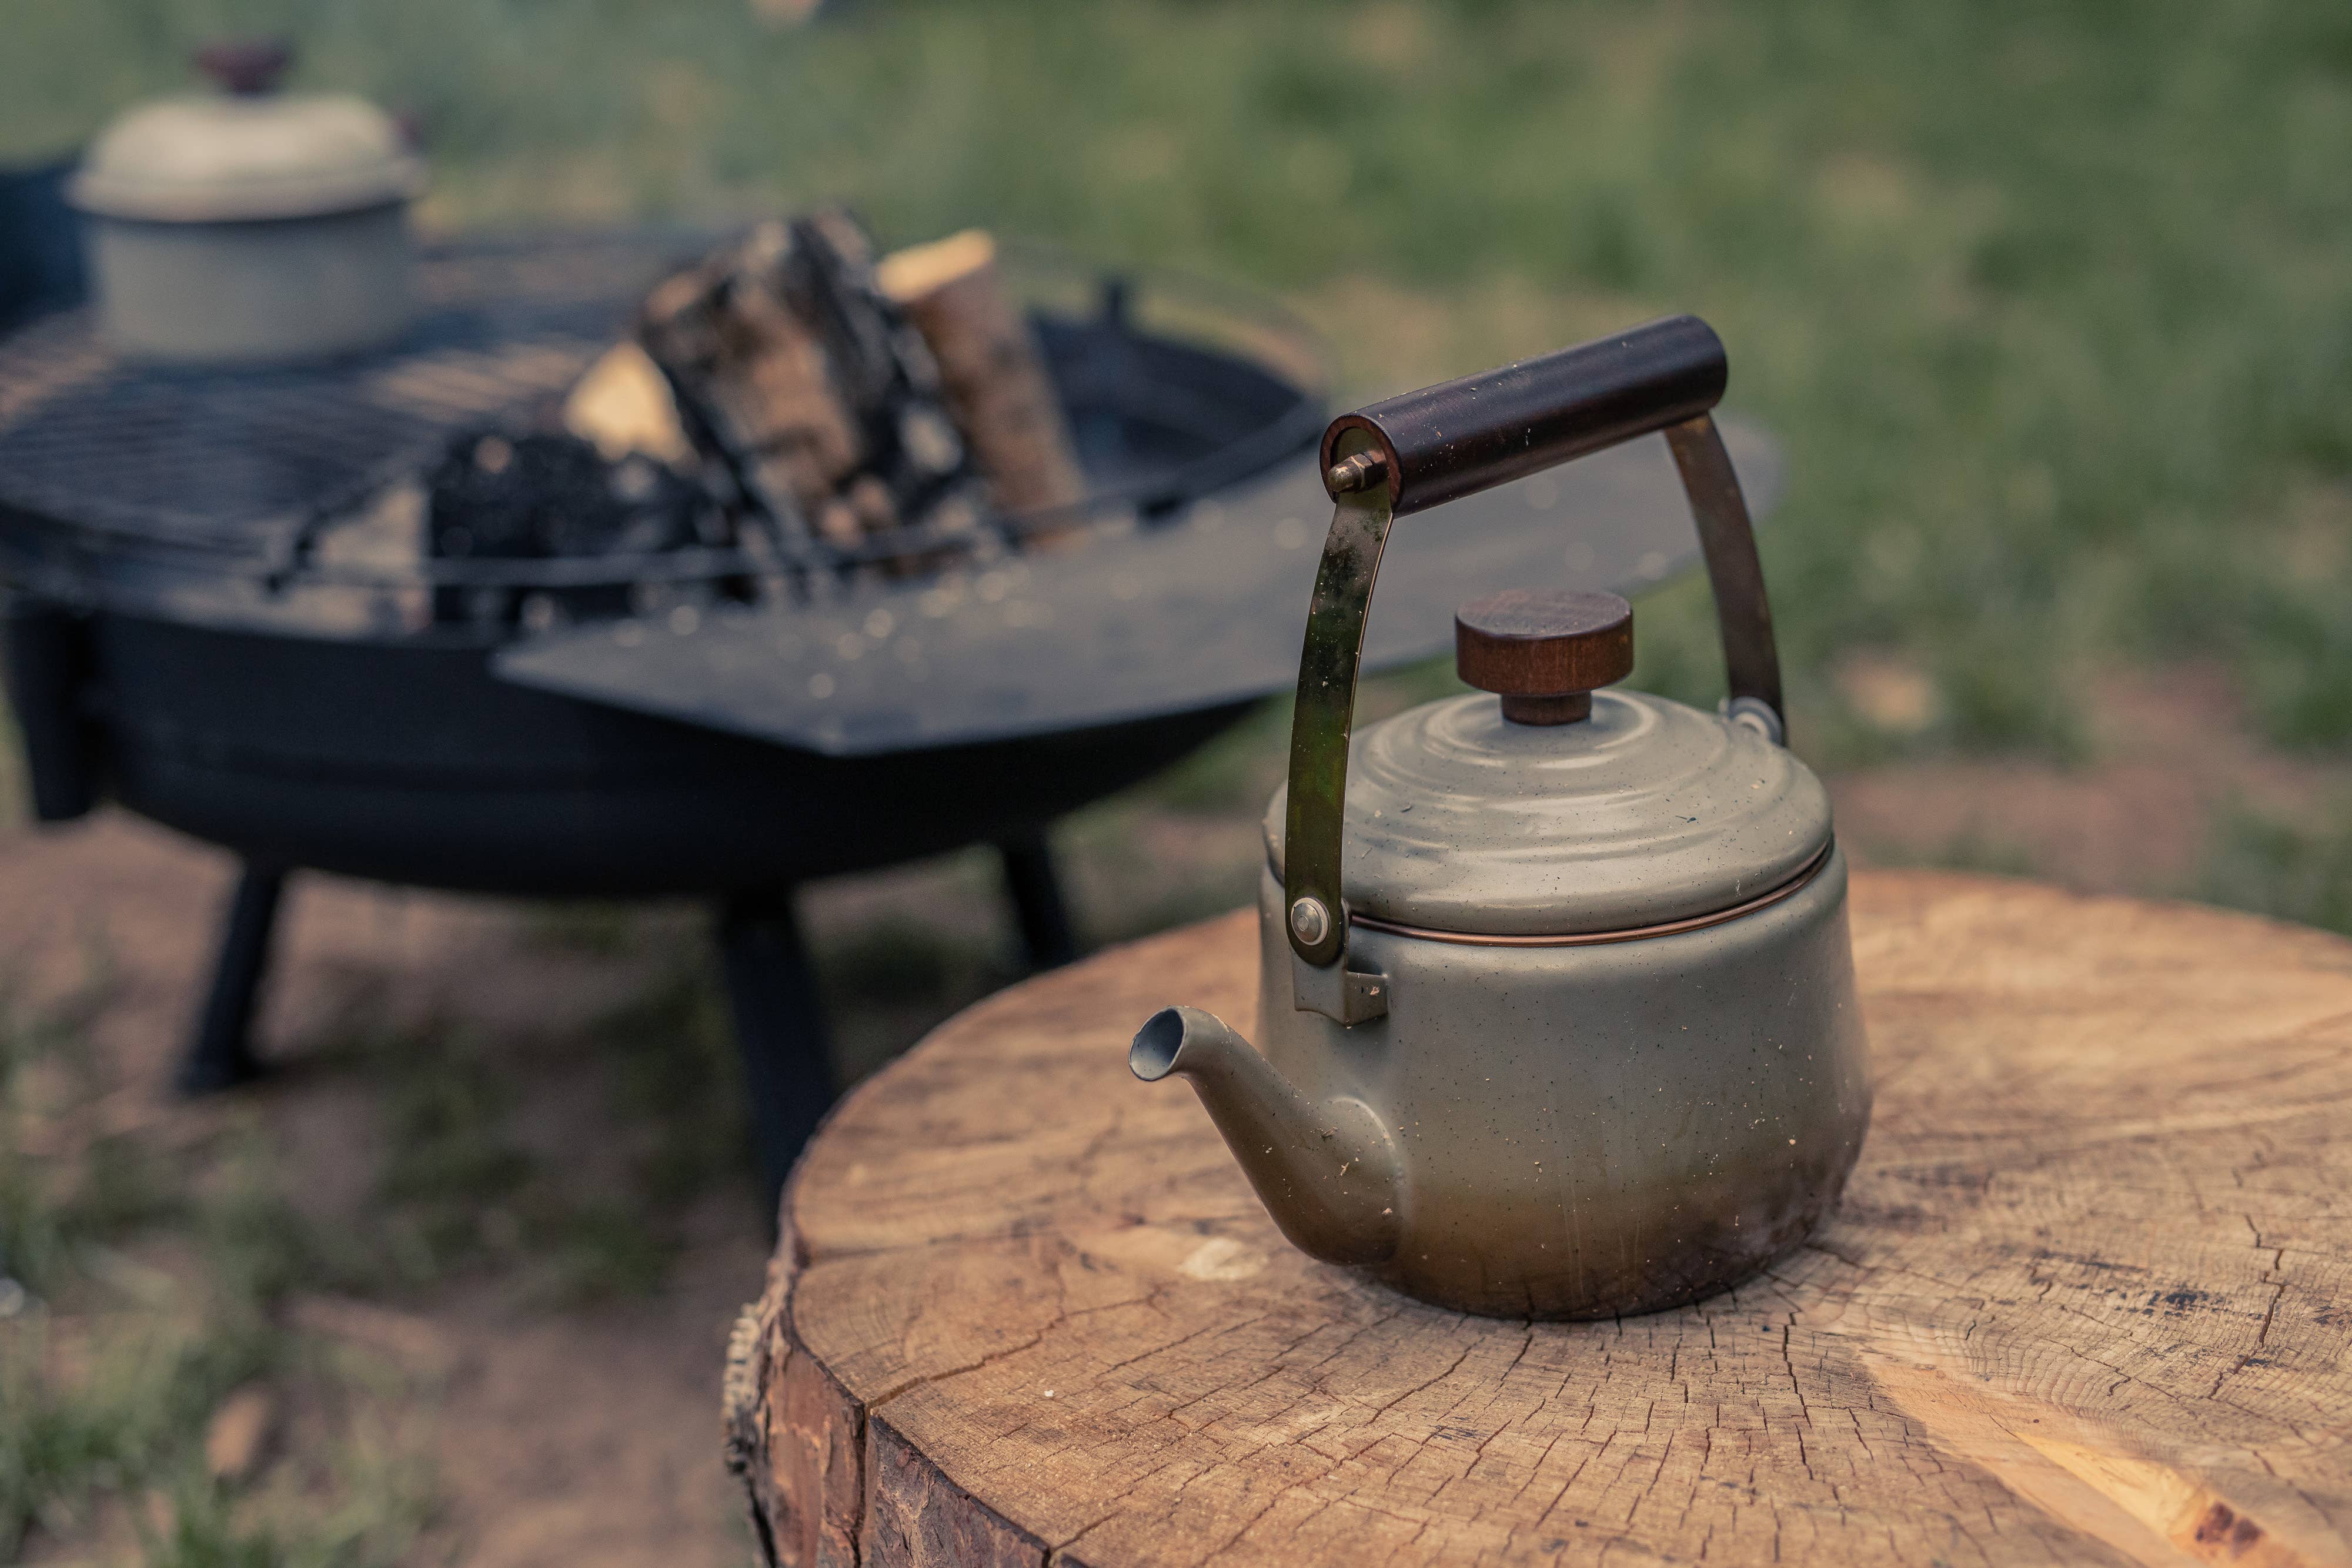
pixel 990 370
pixel 753 371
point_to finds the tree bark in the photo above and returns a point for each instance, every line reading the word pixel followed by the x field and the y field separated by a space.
pixel 2087 1299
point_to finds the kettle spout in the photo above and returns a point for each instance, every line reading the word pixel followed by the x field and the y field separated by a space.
pixel 1326 1172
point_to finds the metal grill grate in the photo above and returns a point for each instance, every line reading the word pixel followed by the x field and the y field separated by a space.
pixel 287 499
pixel 234 458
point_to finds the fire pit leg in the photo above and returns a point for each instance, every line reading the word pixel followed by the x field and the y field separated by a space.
pixel 1037 901
pixel 779 1026
pixel 221 1054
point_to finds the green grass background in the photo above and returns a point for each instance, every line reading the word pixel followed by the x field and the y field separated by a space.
pixel 2049 303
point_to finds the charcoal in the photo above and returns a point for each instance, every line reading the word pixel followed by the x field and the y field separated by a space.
pixel 538 496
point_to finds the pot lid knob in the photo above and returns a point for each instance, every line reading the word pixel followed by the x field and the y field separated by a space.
pixel 1544 650
pixel 245 67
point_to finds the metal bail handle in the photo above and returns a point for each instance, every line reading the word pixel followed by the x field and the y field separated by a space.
pixel 1444 442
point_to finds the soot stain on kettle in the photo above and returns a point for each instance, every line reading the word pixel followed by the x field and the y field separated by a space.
pixel 1721 1239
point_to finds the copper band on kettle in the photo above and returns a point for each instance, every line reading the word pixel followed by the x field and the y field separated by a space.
pixel 1788 889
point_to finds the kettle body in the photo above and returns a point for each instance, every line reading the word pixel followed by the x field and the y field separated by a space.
pixel 1557 1014
pixel 1591 1130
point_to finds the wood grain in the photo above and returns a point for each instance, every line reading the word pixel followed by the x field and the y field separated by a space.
pixel 2087 1299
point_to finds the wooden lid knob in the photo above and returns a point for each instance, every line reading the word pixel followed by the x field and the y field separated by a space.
pixel 246 67
pixel 1544 650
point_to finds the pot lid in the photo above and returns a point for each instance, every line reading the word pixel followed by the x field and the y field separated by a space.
pixel 247 153
pixel 1648 812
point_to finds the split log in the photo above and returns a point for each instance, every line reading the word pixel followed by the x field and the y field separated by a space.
pixel 827 400
pixel 759 379
pixel 2088 1299
pixel 993 376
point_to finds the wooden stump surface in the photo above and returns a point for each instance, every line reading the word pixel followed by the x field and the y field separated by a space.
pixel 2087 1299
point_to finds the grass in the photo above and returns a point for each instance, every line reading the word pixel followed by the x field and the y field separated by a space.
pixel 145 1277
pixel 2297 869
pixel 137 1291
pixel 2044 301
pixel 155 1260
pixel 463 1188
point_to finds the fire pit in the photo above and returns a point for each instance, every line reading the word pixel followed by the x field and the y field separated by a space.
pixel 200 630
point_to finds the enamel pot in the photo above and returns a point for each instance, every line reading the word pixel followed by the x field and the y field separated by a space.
pixel 249 227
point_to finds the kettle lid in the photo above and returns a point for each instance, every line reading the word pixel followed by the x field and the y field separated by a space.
pixel 1628 811
pixel 247 153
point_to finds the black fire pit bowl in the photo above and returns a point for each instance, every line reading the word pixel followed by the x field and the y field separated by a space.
pixel 189 642
pixel 178 641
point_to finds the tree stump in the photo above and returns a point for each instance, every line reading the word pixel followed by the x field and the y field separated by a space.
pixel 2086 1300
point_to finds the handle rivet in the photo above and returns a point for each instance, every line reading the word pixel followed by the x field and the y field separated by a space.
pixel 1309 921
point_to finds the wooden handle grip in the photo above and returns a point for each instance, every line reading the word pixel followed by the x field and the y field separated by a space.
pixel 1460 437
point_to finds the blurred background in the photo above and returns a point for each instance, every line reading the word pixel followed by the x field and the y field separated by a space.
pixel 2047 305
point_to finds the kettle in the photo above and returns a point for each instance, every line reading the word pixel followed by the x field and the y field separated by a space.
pixel 1557 1012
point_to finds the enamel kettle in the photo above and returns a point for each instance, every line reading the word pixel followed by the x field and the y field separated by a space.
pixel 1557 1012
